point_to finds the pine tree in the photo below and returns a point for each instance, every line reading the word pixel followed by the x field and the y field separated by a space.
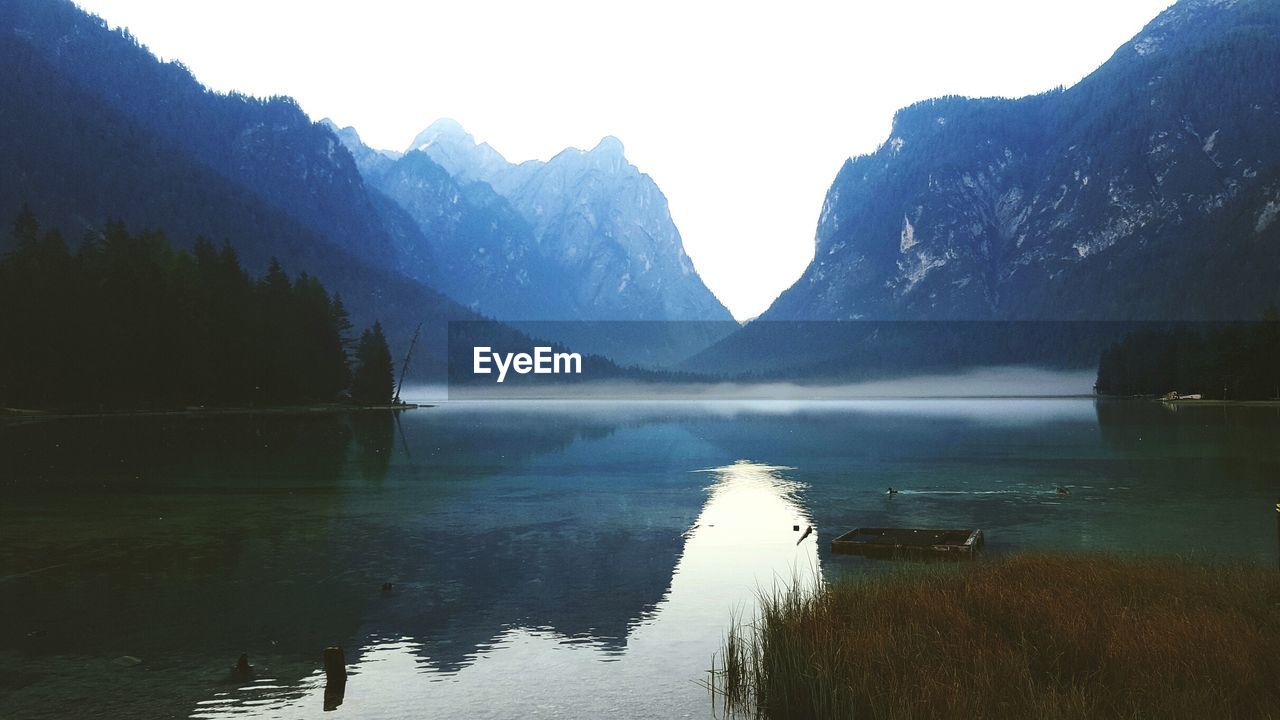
pixel 342 323
pixel 372 383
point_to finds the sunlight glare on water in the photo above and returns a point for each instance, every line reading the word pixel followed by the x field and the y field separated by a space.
pixel 743 543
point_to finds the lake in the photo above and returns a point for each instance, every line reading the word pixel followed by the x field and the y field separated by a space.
pixel 548 559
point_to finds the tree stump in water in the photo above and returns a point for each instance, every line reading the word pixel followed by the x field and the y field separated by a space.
pixel 335 665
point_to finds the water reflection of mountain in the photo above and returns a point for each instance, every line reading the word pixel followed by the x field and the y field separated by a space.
pixel 202 538
pixel 555 524
pixel 742 540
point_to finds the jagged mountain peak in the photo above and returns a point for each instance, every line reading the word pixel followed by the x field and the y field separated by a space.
pixel 455 149
pixel 608 145
pixel 608 148
pixel 347 135
pixel 607 157
pixel 584 235
pixel 442 130
pixel 367 159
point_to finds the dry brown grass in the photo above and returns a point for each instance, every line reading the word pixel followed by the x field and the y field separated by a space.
pixel 1027 636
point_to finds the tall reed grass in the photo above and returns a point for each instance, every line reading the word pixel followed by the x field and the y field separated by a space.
pixel 1027 636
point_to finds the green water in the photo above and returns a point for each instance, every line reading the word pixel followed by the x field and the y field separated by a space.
pixel 569 560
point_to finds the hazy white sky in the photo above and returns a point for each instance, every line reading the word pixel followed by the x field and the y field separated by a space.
pixel 741 111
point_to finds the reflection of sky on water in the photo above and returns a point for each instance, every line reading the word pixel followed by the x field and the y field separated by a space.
pixel 742 542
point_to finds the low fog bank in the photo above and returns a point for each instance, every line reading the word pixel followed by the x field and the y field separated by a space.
pixel 984 382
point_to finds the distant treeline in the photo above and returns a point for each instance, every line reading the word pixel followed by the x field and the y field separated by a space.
pixel 126 321
pixel 1234 361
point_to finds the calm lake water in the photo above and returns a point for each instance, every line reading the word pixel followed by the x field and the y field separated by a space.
pixel 561 560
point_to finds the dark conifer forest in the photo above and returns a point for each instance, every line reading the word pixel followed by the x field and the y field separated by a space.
pixel 125 321
pixel 1222 361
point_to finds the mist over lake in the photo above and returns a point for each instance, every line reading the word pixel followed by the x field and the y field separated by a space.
pixel 975 382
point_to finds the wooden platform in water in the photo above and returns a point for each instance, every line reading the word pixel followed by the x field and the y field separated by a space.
pixel 910 543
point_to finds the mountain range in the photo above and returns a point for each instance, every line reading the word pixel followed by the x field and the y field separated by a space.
pixel 583 236
pixel 96 128
pixel 1150 190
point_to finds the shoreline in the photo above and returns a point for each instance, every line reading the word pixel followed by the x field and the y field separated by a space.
pixel 1223 403
pixel 29 414
pixel 19 414
pixel 1189 402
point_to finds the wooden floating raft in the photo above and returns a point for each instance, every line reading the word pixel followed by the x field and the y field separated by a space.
pixel 910 543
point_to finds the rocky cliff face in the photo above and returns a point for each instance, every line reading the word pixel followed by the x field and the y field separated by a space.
pixel 1149 190
pixel 585 235
pixel 607 224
